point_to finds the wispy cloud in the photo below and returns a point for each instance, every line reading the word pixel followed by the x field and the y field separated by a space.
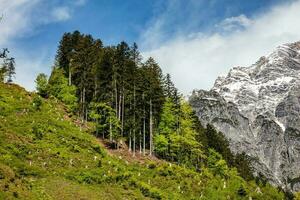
pixel 174 18
pixel 22 19
pixel 235 23
pixel 23 16
pixel 16 18
pixel 79 2
pixel 61 13
pixel 195 60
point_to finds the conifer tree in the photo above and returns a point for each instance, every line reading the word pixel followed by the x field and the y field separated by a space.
pixel 154 95
pixel 10 65
pixel 42 84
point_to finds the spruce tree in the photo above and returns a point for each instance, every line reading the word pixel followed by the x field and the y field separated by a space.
pixel 10 67
pixel 42 85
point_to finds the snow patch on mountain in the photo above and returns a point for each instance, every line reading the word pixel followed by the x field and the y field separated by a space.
pixel 258 110
pixel 259 88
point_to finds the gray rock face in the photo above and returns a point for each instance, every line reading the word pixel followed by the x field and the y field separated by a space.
pixel 258 110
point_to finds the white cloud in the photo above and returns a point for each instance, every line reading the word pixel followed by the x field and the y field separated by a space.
pixel 21 19
pixel 29 66
pixel 61 14
pixel 233 23
pixel 196 61
pixel 15 19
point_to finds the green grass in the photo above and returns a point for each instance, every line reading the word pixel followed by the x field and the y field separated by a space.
pixel 44 155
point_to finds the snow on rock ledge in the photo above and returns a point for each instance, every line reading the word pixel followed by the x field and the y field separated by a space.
pixel 258 110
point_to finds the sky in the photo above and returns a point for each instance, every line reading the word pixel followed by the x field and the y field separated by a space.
pixel 193 40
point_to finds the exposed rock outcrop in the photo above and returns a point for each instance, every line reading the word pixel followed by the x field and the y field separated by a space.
pixel 258 110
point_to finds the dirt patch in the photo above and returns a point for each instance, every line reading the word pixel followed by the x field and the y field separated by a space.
pixel 123 153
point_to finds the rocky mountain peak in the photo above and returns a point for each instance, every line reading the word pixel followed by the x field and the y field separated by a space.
pixel 258 110
pixel 260 87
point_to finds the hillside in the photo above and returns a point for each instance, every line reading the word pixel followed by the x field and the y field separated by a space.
pixel 44 155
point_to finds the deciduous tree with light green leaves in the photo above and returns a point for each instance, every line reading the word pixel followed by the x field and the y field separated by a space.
pixel 58 86
pixel 178 143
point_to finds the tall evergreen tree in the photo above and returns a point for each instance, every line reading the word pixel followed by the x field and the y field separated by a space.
pixel 42 84
pixel 10 64
pixel 154 95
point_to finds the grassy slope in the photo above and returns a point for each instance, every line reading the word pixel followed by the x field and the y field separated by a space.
pixel 43 155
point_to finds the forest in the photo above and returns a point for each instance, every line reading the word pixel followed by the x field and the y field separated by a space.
pixel 132 102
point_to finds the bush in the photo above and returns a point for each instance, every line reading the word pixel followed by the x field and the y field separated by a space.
pixel 165 170
pixel 123 177
pixel 37 102
pixel 38 132
pixel 98 149
pixel 6 172
pixel 75 148
pixel 242 192
pixel 152 165
pixel 149 191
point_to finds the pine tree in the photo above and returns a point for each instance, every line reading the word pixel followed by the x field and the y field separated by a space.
pixel 42 85
pixel 218 142
pixel 154 95
pixel 4 53
pixel 10 66
pixel 7 70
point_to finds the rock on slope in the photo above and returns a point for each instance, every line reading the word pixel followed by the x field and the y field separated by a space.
pixel 258 110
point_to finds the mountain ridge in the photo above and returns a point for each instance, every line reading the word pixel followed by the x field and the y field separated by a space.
pixel 257 108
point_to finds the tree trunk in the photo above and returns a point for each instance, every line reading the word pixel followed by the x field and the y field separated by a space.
pixel 120 103
pixel 151 129
pixel 70 75
pixel 97 127
pixel 134 122
pixel 116 98
pixel 80 108
pixel 95 87
pixel 110 122
pixel 144 128
pixel 140 141
pixel 86 114
pixel 129 146
pixel 83 104
pixel 134 144
pixel 110 129
pixel 123 107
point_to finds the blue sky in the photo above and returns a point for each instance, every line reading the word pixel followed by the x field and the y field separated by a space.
pixel 174 32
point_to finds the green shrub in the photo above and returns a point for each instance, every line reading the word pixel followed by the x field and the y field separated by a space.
pixel 6 172
pixel 75 148
pixel 123 177
pixel 98 149
pixel 37 102
pixel 165 170
pixel 38 131
pixel 151 165
pixel 242 192
pixel 149 191
pixel 24 170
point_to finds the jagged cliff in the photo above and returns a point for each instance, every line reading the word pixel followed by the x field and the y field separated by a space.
pixel 258 110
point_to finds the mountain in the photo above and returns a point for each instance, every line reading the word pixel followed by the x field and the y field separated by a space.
pixel 258 110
